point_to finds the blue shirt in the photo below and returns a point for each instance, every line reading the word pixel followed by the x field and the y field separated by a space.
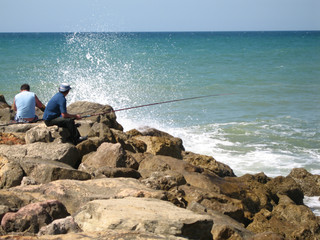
pixel 56 106
pixel 25 102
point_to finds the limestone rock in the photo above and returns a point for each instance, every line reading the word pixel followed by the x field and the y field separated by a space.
pixel 18 127
pixel 44 171
pixel 224 226
pixel 38 134
pixel 310 184
pixel 143 215
pixel 105 235
pixel 11 173
pixel 33 216
pixel 3 102
pixel 207 162
pixel 60 226
pixel 89 108
pixel 117 172
pixel 129 144
pixel 162 145
pixel 286 186
pixel 287 218
pixel 61 152
pixel 74 193
pixel 163 163
pixel 107 155
pixel 164 180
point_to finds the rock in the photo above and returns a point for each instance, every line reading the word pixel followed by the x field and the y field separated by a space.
pixel 214 202
pixel 310 184
pixel 286 186
pixel 3 102
pixel 39 133
pixel 61 152
pixel 148 131
pixel 267 236
pixel 102 131
pixel 33 216
pixel 224 226
pixel 207 162
pixel 287 218
pixel 84 126
pixel 107 155
pixel 3 210
pixel 11 139
pixel 117 172
pixel 105 235
pixel 11 173
pixel 60 226
pixel 129 144
pixel 87 146
pixel 162 145
pixel 143 215
pixel 74 193
pixel 98 112
pixel 28 181
pixel 164 180
pixel 44 171
pixel 163 163
pixel 18 127
pixel 6 115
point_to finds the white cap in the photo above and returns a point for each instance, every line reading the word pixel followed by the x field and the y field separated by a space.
pixel 64 87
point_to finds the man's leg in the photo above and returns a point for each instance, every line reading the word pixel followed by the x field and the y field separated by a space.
pixel 66 123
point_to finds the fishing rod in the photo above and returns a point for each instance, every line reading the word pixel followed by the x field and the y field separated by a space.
pixel 139 106
pixel 157 103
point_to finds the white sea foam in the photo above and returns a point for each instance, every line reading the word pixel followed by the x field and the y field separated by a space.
pixel 313 203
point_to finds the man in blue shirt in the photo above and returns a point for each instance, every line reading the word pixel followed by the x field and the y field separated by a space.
pixel 56 114
pixel 25 104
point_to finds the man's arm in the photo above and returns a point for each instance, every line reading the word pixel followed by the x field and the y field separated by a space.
pixel 14 105
pixel 67 115
pixel 39 104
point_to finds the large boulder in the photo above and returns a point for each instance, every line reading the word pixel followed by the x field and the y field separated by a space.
pixel 61 152
pixel 11 173
pixel 208 162
pixel 33 216
pixel 74 193
pixel 143 215
pixel 162 145
pixel 96 112
pixel 224 226
pixel 286 186
pixel 162 163
pixel 44 171
pixel 309 183
pixel 38 133
pixel 291 220
pixel 107 155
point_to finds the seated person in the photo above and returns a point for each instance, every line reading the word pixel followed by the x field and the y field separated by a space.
pixel 56 114
pixel 24 104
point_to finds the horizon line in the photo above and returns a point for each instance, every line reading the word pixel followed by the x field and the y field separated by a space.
pixel 220 31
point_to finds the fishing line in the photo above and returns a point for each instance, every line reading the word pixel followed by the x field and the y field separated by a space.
pixel 157 103
pixel 139 106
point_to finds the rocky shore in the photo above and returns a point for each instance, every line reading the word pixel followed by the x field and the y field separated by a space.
pixel 137 185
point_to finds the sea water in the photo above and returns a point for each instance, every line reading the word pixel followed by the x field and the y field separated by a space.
pixel 265 120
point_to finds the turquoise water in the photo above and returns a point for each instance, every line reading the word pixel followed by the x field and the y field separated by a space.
pixel 270 122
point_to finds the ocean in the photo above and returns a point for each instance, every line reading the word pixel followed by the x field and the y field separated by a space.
pixel 264 117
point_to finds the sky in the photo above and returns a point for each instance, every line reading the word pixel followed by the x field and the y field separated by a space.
pixel 158 15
